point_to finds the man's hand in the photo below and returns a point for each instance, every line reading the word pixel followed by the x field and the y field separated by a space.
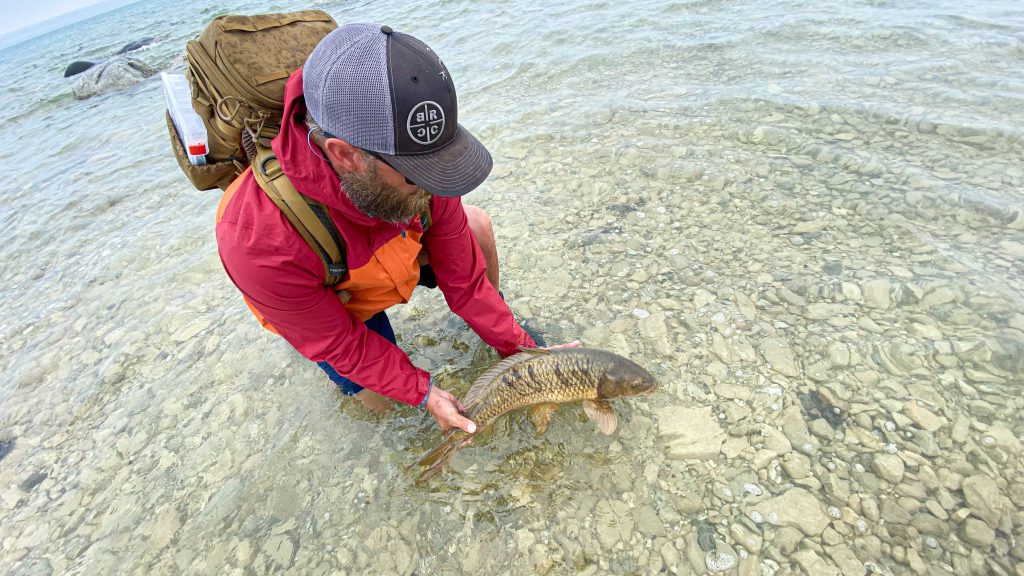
pixel 446 410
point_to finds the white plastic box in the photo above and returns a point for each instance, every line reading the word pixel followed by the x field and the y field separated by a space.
pixel 189 125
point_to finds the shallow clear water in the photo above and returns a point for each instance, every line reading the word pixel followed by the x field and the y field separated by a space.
pixel 808 222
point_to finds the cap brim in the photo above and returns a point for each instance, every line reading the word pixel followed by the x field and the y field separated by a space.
pixel 451 171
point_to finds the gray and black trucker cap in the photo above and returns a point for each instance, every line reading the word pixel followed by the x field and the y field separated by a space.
pixel 388 93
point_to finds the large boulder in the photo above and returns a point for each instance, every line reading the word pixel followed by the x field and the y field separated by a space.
pixel 136 44
pixel 118 72
pixel 77 67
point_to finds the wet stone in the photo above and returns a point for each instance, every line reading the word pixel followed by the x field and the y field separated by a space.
pixel 33 480
pixel 877 293
pixel 984 498
pixel 923 417
pixel 832 268
pixel 977 533
pixel 723 559
pixel 889 467
pixel 690 432
pixel 614 523
pixel 893 513
pixel 5 448
pixel 778 354
pixel 648 522
pixel 797 508
pixel 925 523
pixel 812 563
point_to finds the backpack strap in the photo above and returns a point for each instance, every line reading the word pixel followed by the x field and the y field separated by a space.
pixel 309 217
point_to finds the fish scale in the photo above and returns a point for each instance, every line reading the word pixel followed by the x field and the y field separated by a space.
pixel 542 380
pixel 541 377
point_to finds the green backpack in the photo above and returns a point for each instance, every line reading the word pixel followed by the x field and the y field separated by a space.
pixel 237 71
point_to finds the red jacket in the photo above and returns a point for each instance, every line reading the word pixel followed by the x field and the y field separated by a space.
pixel 282 278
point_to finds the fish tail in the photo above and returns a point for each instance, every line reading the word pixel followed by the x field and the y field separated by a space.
pixel 439 455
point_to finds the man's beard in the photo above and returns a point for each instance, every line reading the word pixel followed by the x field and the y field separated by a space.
pixel 379 200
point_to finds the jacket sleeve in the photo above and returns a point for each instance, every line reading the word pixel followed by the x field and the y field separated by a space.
pixel 459 266
pixel 283 279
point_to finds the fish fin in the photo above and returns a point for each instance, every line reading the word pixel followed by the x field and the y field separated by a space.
pixel 540 415
pixel 601 413
pixel 487 381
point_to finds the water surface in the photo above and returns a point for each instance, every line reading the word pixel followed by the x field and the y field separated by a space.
pixel 807 221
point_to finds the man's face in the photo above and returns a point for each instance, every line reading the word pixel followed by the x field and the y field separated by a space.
pixel 381 192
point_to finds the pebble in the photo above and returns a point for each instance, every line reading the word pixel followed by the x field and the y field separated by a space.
pixel 889 467
pixel 923 417
pixel 877 293
pixel 977 533
pixel 778 354
pixel 690 433
pixel 796 508
pixel 984 498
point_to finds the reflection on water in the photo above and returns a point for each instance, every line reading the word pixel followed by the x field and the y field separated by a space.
pixel 809 226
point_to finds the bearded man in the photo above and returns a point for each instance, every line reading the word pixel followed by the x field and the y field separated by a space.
pixel 370 130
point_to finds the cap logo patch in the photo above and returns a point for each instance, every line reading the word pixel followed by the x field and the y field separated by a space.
pixel 426 122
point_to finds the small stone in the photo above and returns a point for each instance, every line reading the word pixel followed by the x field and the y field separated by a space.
pixel 846 560
pixel 795 429
pixel 938 297
pixel 614 523
pixel 877 293
pixel 893 513
pixel 280 549
pixel 808 227
pixel 889 467
pixel 670 555
pixel 984 499
pixel 929 524
pixel 778 354
pixel 977 533
pixel 722 559
pixel 775 441
pixel 827 310
pixel 648 522
pixel 690 432
pixel 923 417
pixel 796 508
pixel 796 465
pixel 189 331
pixel 166 526
pixel 813 564
pixel 787 539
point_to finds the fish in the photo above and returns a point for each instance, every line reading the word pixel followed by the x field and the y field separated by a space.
pixel 542 379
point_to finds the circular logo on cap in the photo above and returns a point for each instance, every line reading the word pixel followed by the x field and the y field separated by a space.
pixel 426 122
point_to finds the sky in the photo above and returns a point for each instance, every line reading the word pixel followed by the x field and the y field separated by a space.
pixel 20 14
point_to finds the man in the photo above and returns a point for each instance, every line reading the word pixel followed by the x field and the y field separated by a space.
pixel 370 130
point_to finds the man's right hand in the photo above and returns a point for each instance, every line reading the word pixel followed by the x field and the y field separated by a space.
pixel 447 411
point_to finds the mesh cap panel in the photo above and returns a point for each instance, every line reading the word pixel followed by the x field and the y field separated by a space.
pixel 346 87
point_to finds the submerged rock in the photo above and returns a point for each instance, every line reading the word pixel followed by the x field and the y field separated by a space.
pixel 690 433
pixel 118 72
pixel 5 448
pixel 889 467
pixel 77 67
pixel 983 498
pixel 135 45
pixel 797 508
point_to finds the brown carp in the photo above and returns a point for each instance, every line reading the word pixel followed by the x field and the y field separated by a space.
pixel 542 379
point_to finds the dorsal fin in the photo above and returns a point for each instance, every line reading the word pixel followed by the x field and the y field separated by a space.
pixel 483 385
